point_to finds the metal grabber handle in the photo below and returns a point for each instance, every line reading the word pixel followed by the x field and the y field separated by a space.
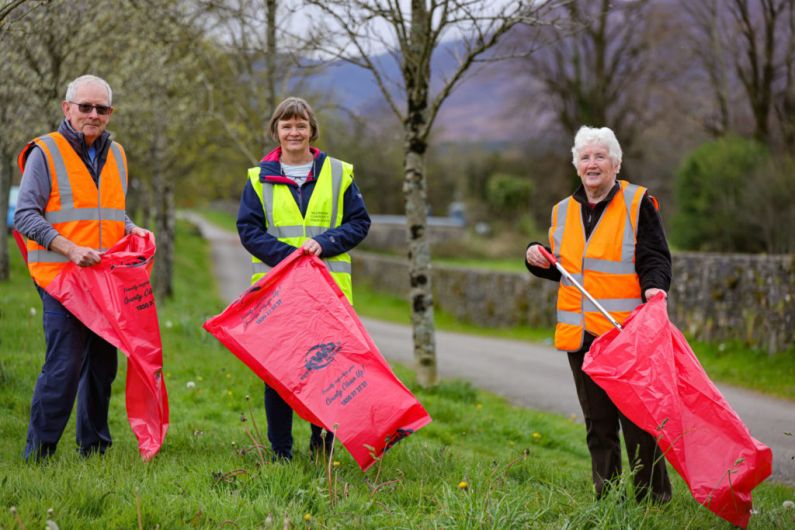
pixel 554 261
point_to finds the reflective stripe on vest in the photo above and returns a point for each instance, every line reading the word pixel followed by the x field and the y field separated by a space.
pixel 285 222
pixel 87 214
pixel 604 264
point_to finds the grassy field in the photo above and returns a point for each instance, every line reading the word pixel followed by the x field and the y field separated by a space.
pixel 480 464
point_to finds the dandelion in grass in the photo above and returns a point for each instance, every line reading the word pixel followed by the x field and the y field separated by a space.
pixel 169 324
pixel 536 436
pixel 190 384
pixel 32 311
pixel 307 517
pixel 788 505
pixel 200 379
pixel 228 393
pixel 336 463
pixel 463 485
pixel 479 406
pixel 229 376
pixel 50 524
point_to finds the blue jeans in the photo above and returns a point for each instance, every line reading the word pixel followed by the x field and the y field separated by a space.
pixel 77 363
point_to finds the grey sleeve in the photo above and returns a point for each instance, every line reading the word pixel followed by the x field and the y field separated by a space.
pixel 34 192
pixel 128 224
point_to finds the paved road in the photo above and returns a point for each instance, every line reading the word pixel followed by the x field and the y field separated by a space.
pixel 527 374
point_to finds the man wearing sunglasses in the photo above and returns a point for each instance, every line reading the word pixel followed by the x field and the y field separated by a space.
pixel 71 207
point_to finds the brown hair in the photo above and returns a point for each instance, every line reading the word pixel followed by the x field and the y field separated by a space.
pixel 293 107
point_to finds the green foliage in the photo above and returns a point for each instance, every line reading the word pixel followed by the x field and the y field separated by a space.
pixel 374 147
pixel 508 194
pixel 711 186
pixel 769 203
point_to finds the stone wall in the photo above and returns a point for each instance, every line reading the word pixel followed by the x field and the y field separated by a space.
pixel 388 232
pixel 713 296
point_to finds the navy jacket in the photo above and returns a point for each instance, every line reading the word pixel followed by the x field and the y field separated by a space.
pixel 251 223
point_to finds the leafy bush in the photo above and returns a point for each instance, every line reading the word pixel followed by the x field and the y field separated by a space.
pixel 712 185
pixel 508 194
pixel 769 203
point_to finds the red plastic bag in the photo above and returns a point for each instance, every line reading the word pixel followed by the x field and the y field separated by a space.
pixel 296 330
pixel 655 379
pixel 23 249
pixel 114 300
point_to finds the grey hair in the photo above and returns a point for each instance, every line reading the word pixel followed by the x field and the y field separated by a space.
pixel 85 79
pixel 603 136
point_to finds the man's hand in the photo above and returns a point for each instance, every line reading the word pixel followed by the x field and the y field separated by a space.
pixel 81 256
pixel 140 232
pixel 84 256
pixel 311 246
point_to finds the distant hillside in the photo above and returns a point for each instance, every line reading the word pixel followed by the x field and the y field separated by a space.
pixel 483 108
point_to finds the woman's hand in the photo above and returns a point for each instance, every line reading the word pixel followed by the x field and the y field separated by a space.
pixel 311 246
pixel 651 293
pixel 535 258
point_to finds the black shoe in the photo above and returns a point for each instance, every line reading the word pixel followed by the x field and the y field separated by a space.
pixel 282 456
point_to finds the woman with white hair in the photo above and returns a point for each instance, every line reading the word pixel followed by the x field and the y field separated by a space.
pixel 607 234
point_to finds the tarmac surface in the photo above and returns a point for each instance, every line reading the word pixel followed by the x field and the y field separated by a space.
pixel 527 374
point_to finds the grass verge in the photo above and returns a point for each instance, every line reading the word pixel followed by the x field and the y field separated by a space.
pixel 480 464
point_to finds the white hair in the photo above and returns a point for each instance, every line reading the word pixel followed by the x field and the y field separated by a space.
pixel 603 136
pixel 86 79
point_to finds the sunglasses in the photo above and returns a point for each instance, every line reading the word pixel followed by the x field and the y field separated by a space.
pixel 86 108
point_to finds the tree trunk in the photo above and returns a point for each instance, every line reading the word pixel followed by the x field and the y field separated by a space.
pixel 416 68
pixel 163 224
pixel 5 187
pixel 414 192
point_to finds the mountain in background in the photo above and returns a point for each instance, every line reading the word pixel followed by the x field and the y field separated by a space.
pixel 485 107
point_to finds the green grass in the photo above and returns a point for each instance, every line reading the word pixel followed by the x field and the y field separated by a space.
pixel 219 218
pixel 735 363
pixel 522 469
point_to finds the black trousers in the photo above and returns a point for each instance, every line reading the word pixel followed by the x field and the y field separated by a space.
pixel 602 421
pixel 280 427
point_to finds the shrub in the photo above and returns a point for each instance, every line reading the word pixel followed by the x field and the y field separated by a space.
pixel 711 193
pixel 508 194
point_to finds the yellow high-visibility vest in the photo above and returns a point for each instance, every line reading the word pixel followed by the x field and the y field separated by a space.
pixel 324 212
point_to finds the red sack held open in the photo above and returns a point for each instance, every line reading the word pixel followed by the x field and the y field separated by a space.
pixel 655 379
pixel 114 300
pixel 296 330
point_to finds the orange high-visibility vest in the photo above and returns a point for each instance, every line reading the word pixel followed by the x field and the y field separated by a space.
pixel 86 214
pixel 604 264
